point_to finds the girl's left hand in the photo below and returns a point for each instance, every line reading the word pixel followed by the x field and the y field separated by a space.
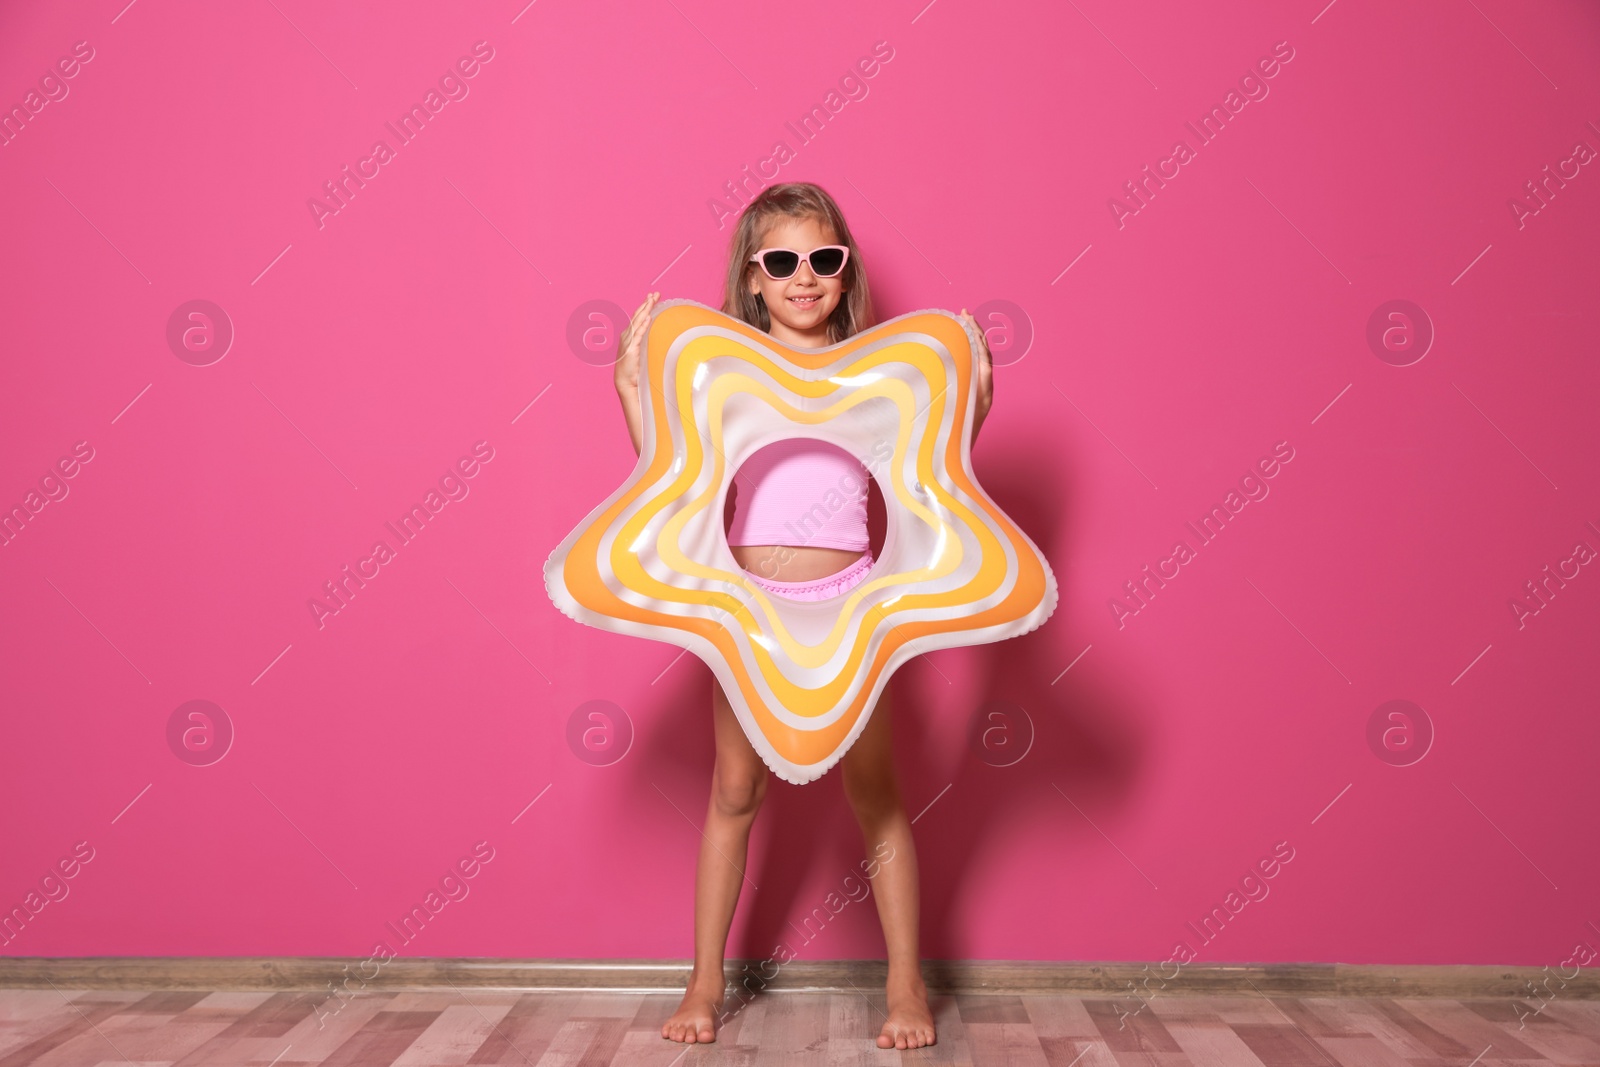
pixel 985 368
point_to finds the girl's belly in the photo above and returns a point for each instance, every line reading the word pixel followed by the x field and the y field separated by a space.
pixel 793 563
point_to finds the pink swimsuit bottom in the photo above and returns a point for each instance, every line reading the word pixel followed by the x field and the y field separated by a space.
pixel 823 588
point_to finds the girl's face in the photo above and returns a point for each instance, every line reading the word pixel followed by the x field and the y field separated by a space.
pixel 800 304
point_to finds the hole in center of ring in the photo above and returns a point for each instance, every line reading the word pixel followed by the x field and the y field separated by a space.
pixel 798 511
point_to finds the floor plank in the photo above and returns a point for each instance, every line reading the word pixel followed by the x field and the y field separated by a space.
pixel 1210 1042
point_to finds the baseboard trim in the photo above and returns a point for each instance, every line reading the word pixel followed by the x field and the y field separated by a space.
pixel 942 976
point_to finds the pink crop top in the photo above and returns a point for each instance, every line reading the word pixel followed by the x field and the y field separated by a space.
pixel 801 492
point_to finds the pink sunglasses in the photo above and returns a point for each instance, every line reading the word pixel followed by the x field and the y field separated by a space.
pixel 780 263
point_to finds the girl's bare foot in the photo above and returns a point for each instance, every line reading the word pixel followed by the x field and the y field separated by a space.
pixel 910 1023
pixel 695 1019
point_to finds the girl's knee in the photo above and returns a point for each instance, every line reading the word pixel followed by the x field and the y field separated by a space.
pixel 738 793
pixel 871 790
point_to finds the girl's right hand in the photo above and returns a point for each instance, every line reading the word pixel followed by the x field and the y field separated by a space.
pixel 627 366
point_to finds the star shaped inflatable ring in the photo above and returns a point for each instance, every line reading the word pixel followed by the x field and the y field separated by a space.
pixel 652 560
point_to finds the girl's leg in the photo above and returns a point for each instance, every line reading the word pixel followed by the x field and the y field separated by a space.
pixel 870 786
pixel 738 785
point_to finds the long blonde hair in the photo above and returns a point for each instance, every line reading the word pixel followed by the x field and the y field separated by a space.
pixel 795 200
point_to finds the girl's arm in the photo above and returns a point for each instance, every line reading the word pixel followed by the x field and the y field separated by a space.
pixel 985 376
pixel 629 395
pixel 627 371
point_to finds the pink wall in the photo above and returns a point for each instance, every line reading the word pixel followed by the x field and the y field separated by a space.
pixel 426 323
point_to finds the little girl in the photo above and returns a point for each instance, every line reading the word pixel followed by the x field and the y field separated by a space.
pixel 796 273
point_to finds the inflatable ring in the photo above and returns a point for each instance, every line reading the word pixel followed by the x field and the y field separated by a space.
pixel 652 560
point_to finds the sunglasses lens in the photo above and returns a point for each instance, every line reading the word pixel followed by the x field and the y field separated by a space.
pixel 780 264
pixel 826 262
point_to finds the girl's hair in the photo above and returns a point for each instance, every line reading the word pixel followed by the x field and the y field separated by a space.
pixel 795 200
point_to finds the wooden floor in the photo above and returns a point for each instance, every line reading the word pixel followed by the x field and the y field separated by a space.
pixel 64 1027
